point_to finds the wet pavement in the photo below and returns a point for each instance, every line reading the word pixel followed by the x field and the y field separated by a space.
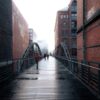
pixel 51 82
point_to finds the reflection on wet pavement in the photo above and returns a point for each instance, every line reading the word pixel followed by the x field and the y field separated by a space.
pixel 51 82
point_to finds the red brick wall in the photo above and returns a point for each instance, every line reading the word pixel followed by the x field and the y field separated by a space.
pixel 20 34
pixel 95 4
pixel 59 28
pixel 79 46
pixel 56 31
pixel 92 33
pixel 91 6
pixel 93 54
pixel 80 41
pixel 93 39
pixel 79 13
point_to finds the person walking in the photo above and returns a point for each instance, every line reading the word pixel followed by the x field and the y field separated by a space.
pixel 37 60
pixel 47 56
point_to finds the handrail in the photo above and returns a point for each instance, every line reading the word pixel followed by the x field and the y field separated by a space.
pixel 88 75
pixel 4 63
pixel 61 57
pixel 27 51
pixel 8 62
pixel 11 61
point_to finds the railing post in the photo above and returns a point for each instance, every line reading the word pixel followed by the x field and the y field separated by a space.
pixel 23 60
pixel 81 70
pixel 89 74
pixel 76 67
pixel 28 62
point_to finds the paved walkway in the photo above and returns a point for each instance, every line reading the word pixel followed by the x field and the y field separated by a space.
pixel 51 82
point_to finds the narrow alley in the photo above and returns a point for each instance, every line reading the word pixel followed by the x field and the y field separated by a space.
pixel 51 82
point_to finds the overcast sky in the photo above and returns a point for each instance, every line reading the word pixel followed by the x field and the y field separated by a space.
pixel 40 15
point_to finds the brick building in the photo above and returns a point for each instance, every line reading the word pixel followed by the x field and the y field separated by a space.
pixel 32 36
pixel 20 33
pixel 61 30
pixel 88 43
pixel 14 37
pixel 88 26
pixel 72 12
pixel 65 29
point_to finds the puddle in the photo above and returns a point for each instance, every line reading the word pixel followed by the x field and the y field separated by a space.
pixel 27 78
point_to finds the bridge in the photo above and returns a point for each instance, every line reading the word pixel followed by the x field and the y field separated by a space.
pixel 60 77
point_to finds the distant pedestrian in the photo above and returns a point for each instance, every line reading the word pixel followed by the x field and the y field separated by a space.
pixel 45 56
pixel 37 60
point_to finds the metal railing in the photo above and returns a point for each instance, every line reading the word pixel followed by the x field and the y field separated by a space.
pixel 13 67
pixel 9 69
pixel 88 73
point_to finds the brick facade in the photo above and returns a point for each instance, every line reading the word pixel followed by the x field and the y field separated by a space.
pixel 14 36
pixel 61 30
pixel 72 10
pixel 14 39
pixel 20 33
pixel 88 43
pixel 79 13
pixel 67 33
pixel 92 30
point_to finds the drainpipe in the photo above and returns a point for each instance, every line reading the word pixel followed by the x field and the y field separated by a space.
pixel 84 31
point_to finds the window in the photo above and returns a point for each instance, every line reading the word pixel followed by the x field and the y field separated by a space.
pixel 74 15
pixel 73 30
pixel 64 24
pixel 63 16
pixel 74 3
pixel 64 32
pixel 73 24
pixel 74 8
